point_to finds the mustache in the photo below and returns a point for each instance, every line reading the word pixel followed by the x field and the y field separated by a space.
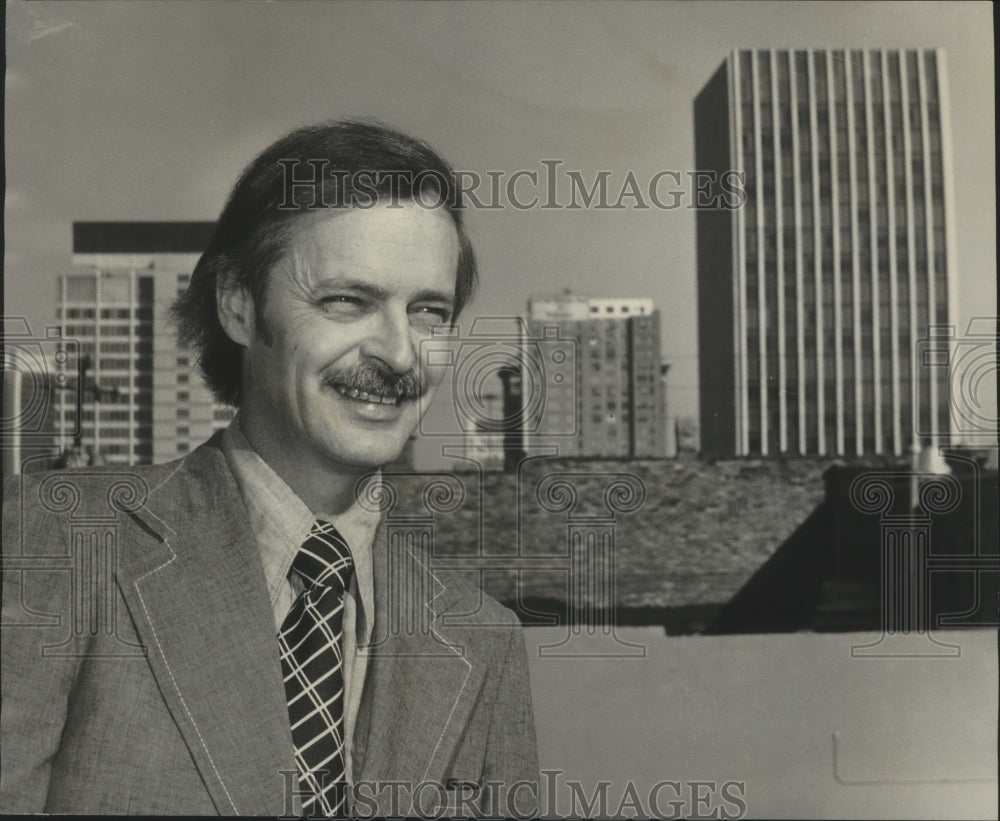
pixel 379 380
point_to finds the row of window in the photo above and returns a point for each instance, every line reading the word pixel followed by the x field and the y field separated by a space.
pixel 785 150
pixel 141 330
pixel 797 63
pixel 812 441
pixel 138 312
pixel 610 309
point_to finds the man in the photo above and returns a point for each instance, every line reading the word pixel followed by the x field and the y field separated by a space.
pixel 264 648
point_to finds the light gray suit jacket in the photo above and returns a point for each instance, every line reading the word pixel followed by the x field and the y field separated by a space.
pixel 140 669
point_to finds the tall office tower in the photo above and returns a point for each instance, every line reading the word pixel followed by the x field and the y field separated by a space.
pixel 143 397
pixel 614 401
pixel 814 294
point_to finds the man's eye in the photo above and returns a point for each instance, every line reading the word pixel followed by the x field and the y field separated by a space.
pixel 341 300
pixel 430 314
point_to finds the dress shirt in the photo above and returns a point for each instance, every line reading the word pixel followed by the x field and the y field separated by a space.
pixel 281 521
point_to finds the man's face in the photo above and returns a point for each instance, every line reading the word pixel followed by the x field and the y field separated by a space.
pixel 334 382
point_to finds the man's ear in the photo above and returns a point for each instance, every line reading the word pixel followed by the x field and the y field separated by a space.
pixel 236 311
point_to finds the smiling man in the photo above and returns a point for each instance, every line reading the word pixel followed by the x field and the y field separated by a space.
pixel 331 387
pixel 269 650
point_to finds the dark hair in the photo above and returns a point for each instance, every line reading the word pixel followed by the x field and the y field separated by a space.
pixel 332 165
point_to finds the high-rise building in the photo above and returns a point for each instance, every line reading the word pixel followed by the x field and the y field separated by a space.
pixel 143 400
pixel 614 401
pixel 816 290
pixel 27 435
pixel 484 444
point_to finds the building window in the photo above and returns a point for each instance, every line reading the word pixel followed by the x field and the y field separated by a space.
pixel 183 430
pixel 182 379
pixel 183 413
pixel 183 396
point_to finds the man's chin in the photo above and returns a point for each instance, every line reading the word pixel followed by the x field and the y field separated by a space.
pixel 366 438
pixel 371 462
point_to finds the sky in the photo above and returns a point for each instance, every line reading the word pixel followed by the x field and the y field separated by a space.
pixel 148 111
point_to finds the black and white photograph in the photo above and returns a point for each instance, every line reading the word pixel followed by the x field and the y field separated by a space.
pixel 500 409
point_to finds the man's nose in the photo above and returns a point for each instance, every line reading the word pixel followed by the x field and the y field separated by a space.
pixel 391 341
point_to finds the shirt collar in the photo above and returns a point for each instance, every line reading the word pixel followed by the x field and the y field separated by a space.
pixel 281 521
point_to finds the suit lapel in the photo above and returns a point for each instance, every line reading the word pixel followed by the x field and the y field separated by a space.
pixel 194 584
pixel 420 686
pixel 192 579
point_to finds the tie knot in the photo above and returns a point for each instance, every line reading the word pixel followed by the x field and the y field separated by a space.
pixel 324 558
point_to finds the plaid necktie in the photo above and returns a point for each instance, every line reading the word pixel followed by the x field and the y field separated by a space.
pixel 312 664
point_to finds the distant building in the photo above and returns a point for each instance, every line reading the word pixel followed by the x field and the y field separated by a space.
pixel 615 396
pixel 485 445
pixel 814 293
pixel 28 433
pixel 670 443
pixel 513 408
pixel 149 404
